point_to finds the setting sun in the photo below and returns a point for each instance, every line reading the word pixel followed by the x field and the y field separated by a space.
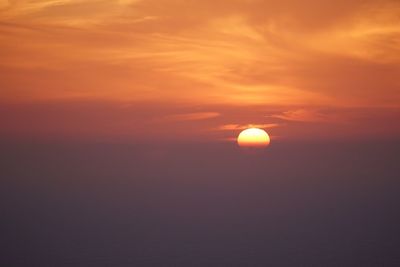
pixel 253 137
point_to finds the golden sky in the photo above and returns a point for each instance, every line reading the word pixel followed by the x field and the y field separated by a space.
pixel 199 68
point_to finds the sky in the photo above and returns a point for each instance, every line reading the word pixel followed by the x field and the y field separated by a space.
pixel 142 70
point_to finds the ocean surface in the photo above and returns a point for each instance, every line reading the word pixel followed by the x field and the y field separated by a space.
pixel 208 204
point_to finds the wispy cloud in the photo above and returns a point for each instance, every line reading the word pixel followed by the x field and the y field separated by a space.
pixel 232 127
pixel 302 115
pixel 229 52
pixel 193 116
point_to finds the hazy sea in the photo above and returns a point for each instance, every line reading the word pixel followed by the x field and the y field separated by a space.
pixel 208 204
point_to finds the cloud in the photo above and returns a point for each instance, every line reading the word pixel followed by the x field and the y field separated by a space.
pixel 246 52
pixel 302 115
pixel 144 122
pixel 194 116
pixel 232 127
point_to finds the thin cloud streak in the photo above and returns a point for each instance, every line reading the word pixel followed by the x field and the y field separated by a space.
pixel 194 116
pixel 302 115
pixel 233 127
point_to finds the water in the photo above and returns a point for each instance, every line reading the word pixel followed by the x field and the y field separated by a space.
pixel 294 204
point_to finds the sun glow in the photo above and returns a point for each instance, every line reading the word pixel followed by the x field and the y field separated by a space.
pixel 253 137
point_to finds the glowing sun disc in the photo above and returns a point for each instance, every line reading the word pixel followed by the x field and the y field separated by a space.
pixel 253 137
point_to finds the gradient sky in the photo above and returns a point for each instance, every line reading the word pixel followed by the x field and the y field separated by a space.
pixel 199 70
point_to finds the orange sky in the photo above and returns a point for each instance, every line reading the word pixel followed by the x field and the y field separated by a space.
pixel 187 69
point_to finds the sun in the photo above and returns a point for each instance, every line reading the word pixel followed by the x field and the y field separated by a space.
pixel 253 137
